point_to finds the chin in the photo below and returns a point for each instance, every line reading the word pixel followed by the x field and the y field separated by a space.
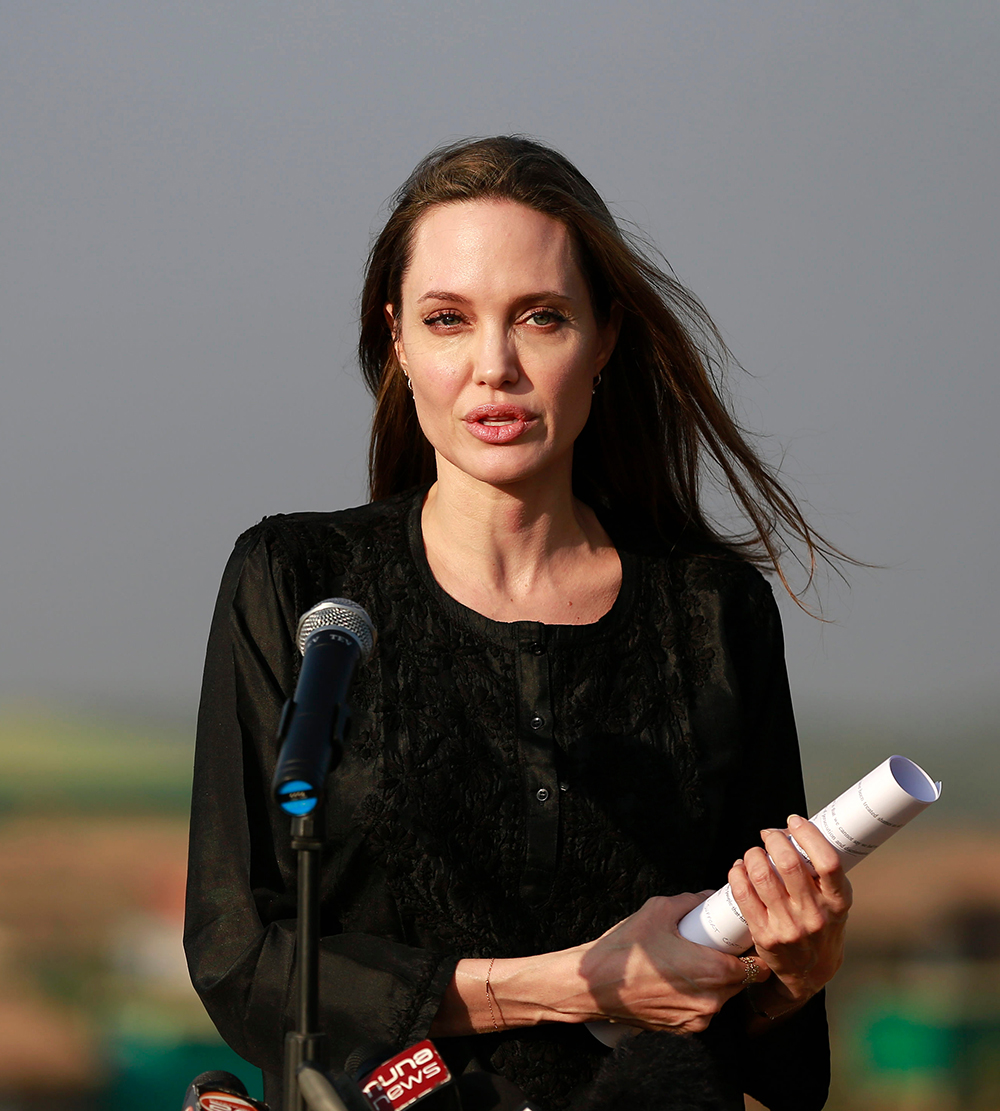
pixel 503 466
pixel 506 473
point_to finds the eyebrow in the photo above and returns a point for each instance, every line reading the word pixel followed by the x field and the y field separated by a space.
pixel 446 295
pixel 440 295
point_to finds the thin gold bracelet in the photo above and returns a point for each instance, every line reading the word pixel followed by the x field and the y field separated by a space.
pixel 489 995
pixel 760 1010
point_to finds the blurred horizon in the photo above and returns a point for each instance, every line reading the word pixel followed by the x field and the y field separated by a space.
pixel 101 754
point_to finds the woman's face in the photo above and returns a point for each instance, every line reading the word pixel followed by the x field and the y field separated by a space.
pixel 498 337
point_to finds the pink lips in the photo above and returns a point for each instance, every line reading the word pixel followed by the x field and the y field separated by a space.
pixel 498 424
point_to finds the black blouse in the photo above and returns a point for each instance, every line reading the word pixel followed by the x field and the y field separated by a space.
pixel 508 789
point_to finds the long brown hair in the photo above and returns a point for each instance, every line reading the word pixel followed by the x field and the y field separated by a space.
pixel 658 428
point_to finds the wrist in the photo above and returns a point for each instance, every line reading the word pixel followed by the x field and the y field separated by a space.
pixel 547 987
pixel 773 1000
pixel 490 994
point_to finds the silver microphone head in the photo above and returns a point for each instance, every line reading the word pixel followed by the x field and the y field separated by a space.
pixel 341 614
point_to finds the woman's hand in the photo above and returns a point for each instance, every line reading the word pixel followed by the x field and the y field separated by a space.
pixel 796 919
pixel 643 973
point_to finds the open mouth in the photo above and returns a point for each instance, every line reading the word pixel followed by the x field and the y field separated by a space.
pixel 498 424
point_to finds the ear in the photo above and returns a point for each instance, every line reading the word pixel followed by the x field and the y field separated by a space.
pixel 608 336
pixel 397 343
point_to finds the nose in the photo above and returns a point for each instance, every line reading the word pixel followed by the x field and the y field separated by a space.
pixel 496 359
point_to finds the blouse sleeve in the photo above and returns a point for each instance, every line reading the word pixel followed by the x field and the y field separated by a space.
pixel 787 1068
pixel 240 921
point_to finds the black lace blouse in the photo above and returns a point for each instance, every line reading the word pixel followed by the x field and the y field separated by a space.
pixel 508 789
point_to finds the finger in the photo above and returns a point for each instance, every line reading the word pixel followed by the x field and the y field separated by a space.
pixel 766 882
pixel 789 917
pixel 833 883
pixel 740 972
pixel 679 905
pixel 807 908
pixel 816 882
pixel 756 968
pixel 819 851
pixel 751 905
pixel 795 872
pixel 806 913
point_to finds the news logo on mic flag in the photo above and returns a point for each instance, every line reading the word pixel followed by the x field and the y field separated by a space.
pixel 406 1078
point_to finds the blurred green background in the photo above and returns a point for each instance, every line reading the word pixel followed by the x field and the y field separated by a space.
pixel 96 1008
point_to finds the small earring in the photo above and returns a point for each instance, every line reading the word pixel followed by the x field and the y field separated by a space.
pixel 597 382
pixel 409 384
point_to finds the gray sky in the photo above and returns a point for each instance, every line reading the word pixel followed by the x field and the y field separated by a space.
pixel 187 191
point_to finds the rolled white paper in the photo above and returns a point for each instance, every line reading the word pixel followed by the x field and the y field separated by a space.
pixel 855 823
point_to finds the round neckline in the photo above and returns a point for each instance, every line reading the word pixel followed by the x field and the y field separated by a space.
pixel 508 632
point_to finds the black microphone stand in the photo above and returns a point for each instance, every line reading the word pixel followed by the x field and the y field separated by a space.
pixel 306 1044
pixel 305 1078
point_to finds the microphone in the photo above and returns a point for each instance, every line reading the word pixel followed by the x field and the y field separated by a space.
pixel 405 1078
pixel 333 637
pixel 219 1091
pixel 394 1081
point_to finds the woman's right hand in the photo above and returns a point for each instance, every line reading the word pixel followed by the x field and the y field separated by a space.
pixel 643 973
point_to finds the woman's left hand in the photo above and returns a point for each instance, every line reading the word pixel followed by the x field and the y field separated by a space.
pixel 796 919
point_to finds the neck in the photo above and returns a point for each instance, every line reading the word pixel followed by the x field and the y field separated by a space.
pixel 519 552
pixel 521 524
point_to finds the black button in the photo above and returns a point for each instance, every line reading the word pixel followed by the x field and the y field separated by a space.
pixel 537 649
pixel 542 794
pixel 537 721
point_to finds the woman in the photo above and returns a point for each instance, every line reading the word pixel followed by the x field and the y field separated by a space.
pixel 577 711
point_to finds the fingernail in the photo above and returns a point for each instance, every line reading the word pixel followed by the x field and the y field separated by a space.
pixel 794 820
pixel 765 832
pixel 737 863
